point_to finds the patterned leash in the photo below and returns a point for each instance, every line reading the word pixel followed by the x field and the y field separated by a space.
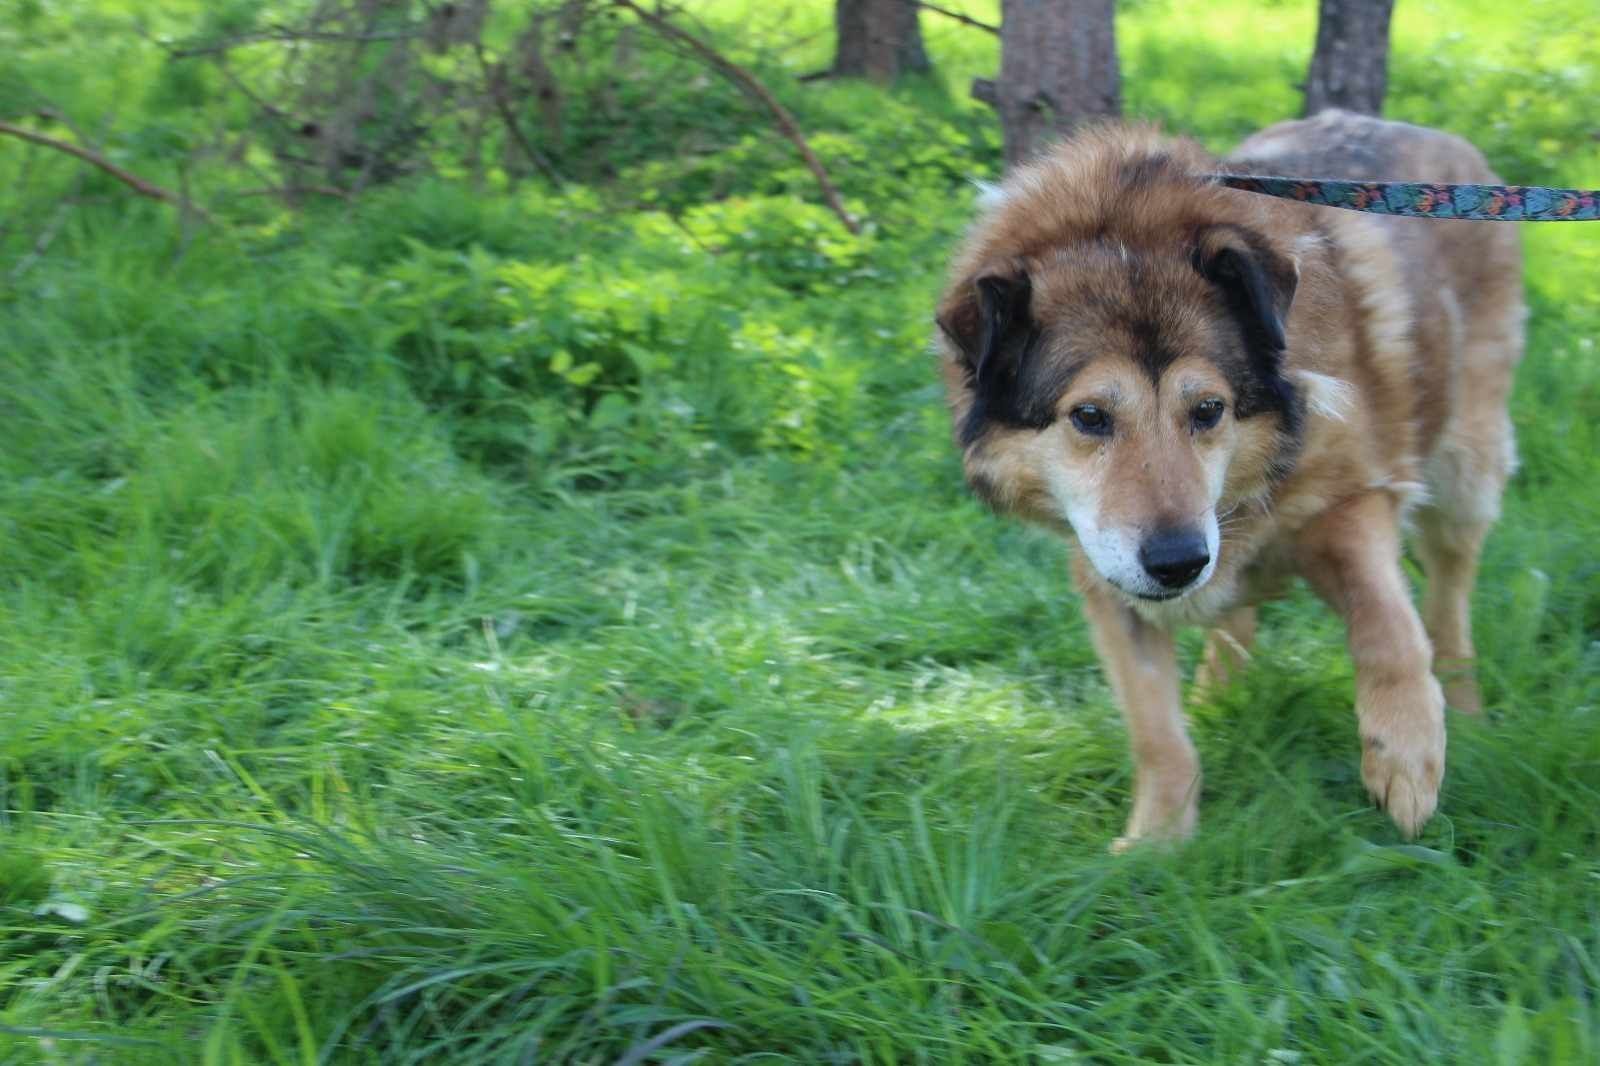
pixel 1415 199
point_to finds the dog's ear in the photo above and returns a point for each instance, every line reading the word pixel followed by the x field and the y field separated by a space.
pixel 1257 283
pixel 988 320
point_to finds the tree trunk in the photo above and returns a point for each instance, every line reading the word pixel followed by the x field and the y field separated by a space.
pixel 1058 67
pixel 1350 68
pixel 878 39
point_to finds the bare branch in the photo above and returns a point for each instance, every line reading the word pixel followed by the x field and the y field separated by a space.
pixel 95 159
pixel 747 81
pixel 287 34
pixel 966 20
pixel 493 86
pixel 277 114
pixel 47 235
pixel 288 191
pixel 56 115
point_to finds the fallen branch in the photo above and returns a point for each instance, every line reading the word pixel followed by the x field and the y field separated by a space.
pixel 747 81
pixel 95 159
pixel 958 16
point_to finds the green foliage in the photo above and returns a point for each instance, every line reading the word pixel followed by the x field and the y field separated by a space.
pixel 881 152
pixel 687 319
pixel 1534 118
pixel 498 624
pixel 794 245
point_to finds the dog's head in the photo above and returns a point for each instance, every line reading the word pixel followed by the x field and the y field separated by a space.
pixel 1120 371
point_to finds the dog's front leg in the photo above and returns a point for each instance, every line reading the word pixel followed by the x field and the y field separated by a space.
pixel 1351 556
pixel 1142 666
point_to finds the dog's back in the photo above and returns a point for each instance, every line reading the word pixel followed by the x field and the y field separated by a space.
pixel 1462 279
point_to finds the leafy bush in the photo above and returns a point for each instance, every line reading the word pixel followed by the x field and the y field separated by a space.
pixel 792 244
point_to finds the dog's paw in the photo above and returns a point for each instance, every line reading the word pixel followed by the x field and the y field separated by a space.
pixel 1461 694
pixel 1122 845
pixel 1402 751
pixel 1162 816
pixel 1221 662
pixel 1165 838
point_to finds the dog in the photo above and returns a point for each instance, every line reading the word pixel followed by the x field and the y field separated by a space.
pixel 1208 392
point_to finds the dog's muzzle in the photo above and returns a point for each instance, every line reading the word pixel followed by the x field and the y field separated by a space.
pixel 1174 557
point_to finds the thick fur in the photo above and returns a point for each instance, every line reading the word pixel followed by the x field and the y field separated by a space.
pixel 1109 301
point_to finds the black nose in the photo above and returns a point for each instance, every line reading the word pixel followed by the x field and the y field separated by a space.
pixel 1174 557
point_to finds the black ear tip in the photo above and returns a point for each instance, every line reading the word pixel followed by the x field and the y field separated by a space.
pixel 997 309
pixel 993 290
pixel 1004 297
pixel 1003 290
pixel 1258 284
pixel 1223 265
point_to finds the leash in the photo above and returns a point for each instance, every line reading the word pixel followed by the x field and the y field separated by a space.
pixel 1416 199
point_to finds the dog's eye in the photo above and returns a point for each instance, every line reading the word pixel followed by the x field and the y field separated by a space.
pixel 1091 420
pixel 1207 413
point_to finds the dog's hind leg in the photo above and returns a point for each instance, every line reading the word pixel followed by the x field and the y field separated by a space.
pixel 1466 471
pixel 1227 651
pixel 1449 555
pixel 1141 664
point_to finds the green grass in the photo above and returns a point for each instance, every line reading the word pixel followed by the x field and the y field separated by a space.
pixel 379 689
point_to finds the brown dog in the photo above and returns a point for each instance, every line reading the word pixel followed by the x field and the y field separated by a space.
pixel 1209 390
